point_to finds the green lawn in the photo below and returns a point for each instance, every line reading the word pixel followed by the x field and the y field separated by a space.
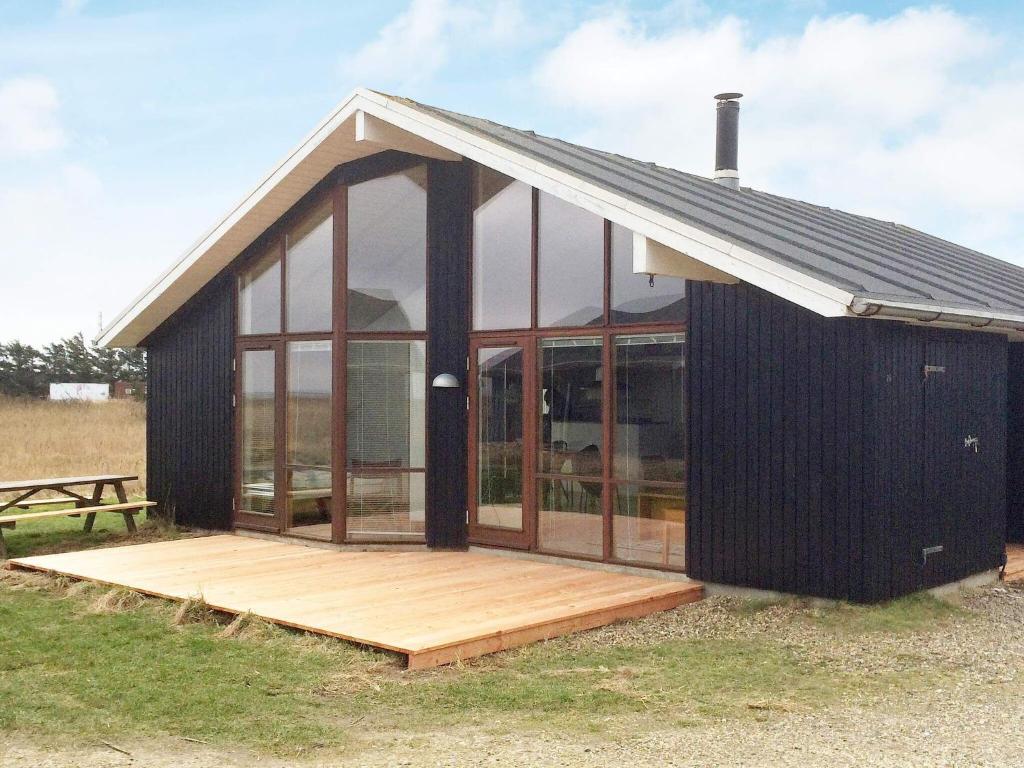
pixel 61 534
pixel 70 664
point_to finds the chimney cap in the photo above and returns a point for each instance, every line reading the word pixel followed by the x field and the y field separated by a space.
pixel 728 96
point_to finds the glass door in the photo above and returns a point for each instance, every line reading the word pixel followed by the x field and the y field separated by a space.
pixel 258 496
pixel 501 442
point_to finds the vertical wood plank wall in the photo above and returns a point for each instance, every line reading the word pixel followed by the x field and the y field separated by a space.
pixel 189 426
pixel 449 212
pixel 933 488
pixel 1015 444
pixel 821 462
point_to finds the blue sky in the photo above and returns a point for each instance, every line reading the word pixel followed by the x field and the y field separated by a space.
pixel 126 128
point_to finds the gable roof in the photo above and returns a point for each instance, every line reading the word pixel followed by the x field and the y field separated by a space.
pixel 831 262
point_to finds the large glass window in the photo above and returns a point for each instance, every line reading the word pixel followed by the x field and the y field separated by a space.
pixel 502 251
pixel 570 266
pixel 258 418
pixel 387 253
pixel 386 440
pixel 259 295
pixel 649 517
pixel 309 257
pixel 499 426
pixel 570 516
pixel 633 298
pixel 308 456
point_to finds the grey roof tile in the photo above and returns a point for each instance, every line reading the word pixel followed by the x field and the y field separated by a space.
pixel 859 254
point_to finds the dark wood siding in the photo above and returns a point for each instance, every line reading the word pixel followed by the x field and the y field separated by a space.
pixel 1015 444
pixel 934 488
pixel 189 417
pixel 822 461
pixel 449 208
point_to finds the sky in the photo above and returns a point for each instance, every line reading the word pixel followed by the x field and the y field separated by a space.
pixel 128 128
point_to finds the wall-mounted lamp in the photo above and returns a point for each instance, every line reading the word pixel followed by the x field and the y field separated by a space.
pixel 445 381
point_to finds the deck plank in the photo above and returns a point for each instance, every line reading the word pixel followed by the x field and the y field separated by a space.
pixel 1014 570
pixel 433 607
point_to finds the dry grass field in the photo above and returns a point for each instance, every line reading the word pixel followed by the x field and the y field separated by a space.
pixel 54 439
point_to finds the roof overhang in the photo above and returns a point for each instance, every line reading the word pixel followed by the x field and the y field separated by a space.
pixel 926 313
pixel 368 122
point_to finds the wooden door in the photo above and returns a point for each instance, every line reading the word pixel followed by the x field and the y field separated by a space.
pixel 502 442
pixel 964 458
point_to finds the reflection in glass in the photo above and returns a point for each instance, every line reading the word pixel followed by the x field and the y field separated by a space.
pixel 259 295
pixel 502 232
pixel 570 408
pixel 387 253
pixel 386 406
pixel 633 298
pixel 309 257
pixel 257 449
pixel 500 437
pixel 650 434
pixel 569 518
pixel 649 511
pixel 308 456
pixel 570 266
pixel 649 525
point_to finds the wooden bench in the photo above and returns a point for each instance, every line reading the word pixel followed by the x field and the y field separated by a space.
pixel 45 502
pixel 128 509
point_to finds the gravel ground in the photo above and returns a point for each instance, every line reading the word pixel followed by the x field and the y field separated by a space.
pixel 976 719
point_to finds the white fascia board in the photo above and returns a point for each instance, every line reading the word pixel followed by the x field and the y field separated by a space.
pixel 716 252
pixel 383 135
pixel 653 258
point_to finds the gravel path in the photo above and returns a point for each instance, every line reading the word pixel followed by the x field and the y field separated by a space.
pixel 975 720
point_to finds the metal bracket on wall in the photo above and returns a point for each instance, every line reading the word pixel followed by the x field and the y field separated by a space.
pixel 926 551
pixel 930 369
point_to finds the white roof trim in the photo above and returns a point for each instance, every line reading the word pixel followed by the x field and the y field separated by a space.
pixel 197 267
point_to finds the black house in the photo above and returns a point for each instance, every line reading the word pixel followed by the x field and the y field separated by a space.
pixel 424 327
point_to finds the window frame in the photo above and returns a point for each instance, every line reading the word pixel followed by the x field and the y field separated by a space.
pixel 607 331
pixel 333 188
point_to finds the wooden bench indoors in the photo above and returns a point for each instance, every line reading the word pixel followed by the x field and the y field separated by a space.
pixel 89 505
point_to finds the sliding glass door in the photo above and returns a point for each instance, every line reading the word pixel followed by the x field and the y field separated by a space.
pixel 256 399
pixel 570 471
pixel 308 439
pixel 386 441
pixel 501 408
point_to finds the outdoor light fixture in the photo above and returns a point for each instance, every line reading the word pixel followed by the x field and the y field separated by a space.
pixel 445 381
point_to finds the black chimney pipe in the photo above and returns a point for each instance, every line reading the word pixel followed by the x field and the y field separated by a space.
pixel 727 140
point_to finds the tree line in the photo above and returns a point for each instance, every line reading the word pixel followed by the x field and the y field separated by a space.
pixel 27 371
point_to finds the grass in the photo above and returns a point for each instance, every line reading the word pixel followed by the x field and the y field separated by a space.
pixel 903 615
pixel 61 439
pixel 80 659
pixel 61 534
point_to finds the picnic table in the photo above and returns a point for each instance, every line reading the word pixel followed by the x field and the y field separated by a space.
pixel 86 502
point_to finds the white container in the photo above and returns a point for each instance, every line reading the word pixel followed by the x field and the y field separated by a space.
pixel 93 393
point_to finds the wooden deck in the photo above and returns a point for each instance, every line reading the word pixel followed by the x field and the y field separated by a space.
pixel 1014 563
pixel 434 607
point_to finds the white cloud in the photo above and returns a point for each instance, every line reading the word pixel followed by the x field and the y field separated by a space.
pixel 915 117
pixel 28 117
pixel 71 7
pixel 418 43
pixel 87 245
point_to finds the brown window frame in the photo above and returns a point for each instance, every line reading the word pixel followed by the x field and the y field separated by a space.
pixel 334 188
pixel 606 331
